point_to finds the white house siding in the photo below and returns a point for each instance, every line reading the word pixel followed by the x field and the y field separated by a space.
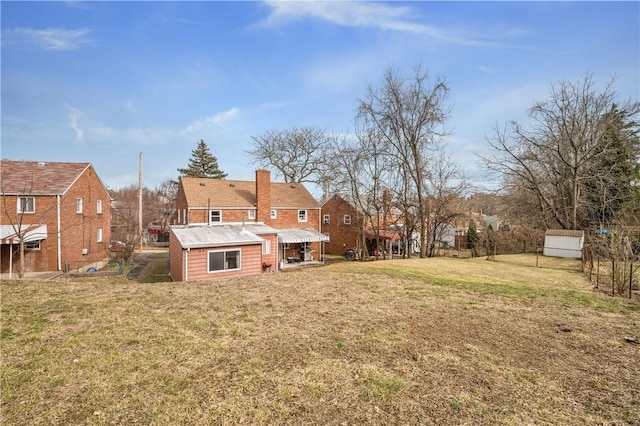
pixel 563 243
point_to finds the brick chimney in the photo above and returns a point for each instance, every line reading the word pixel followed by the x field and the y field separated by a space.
pixel 263 196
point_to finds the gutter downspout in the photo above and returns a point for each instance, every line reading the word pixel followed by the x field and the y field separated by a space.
pixel 59 234
pixel 10 258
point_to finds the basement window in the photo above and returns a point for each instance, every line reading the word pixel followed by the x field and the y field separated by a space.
pixel 32 245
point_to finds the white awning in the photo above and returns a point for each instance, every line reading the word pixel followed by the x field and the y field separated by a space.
pixel 33 233
pixel 296 236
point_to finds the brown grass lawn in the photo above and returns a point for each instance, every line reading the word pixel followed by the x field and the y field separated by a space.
pixel 431 341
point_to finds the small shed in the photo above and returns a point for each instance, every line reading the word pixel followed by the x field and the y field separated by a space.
pixel 563 243
pixel 216 251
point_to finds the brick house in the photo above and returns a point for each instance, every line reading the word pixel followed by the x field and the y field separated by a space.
pixel 63 212
pixel 288 209
pixel 343 224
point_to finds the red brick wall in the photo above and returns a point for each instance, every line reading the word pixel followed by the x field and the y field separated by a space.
pixel 342 237
pixel 263 196
pixel 77 231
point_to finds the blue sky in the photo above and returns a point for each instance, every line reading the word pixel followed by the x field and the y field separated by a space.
pixel 102 82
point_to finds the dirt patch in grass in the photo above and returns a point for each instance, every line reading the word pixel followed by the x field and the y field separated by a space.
pixel 431 341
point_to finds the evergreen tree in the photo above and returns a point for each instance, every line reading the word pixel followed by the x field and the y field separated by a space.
pixel 202 164
pixel 472 237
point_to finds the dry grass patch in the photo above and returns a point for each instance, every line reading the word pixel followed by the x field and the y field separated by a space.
pixel 432 341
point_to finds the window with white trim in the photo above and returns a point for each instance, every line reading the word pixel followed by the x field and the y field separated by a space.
pixel 302 215
pixel 78 205
pixel 224 260
pixel 26 204
pixel 274 214
pixel 99 206
pixel 266 247
pixel 32 245
pixel 347 219
pixel 215 216
pixel 99 235
pixel 326 219
pixel 252 214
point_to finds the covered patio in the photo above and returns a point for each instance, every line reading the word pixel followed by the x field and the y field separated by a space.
pixel 298 247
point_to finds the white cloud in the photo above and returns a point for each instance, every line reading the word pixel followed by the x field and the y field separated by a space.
pixel 375 15
pixel 74 116
pixel 210 124
pixel 48 38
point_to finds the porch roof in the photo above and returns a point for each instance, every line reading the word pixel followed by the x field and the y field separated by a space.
pixel 34 233
pixel 295 236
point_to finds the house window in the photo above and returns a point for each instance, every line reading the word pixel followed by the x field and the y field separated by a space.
pixel 274 214
pixel 266 247
pixel 326 218
pixel 252 214
pixel 224 260
pixel 32 245
pixel 347 219
pixel 215 216
pixel 99 235
pixel 99 206
pixel 78 205
pixel 26 204
pixel 302 215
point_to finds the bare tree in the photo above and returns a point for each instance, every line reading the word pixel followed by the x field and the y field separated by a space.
pixel 562 153
pixel 363 162
pixel 445 185
pixel 297 154
pixel 408 114
pixel 157 207
pixel 14 213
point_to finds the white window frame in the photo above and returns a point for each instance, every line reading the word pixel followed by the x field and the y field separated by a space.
pixel 225 269
pixel 32 245
pixel 99 206
pixel 326 219
pixel 99 235
pixel 302 215
pixel 211 212
pixel 25 203
pixel 273 214
pixel 252 214
pixel 79 205
pixel 266 247
pixel 346 219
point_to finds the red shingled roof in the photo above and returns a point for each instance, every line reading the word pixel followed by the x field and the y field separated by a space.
pixel 204 192
pixel 38 178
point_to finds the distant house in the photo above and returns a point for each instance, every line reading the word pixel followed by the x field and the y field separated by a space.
pixel 563 243
pixel 343 224
pixel 288 208
pixel 61 210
